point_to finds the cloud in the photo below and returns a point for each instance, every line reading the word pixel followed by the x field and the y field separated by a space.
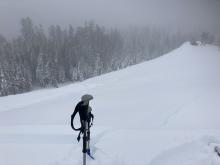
pixel 185 14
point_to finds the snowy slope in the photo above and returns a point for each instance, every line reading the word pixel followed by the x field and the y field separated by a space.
pixel 165 111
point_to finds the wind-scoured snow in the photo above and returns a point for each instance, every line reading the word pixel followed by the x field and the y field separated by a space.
pixel 160 112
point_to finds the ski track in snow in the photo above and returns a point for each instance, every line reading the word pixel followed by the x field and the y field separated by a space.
pixel 178 109
pixel 100 156
pixel 201 150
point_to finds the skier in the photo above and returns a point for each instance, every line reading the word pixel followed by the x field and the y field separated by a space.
pixel 86 120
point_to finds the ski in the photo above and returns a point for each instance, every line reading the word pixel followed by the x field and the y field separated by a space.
pixel 89 154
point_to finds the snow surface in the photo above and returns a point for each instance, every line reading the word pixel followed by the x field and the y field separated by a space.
pixel 160 112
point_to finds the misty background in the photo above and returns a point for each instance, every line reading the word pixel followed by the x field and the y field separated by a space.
pixel 46 43
pixel 184 15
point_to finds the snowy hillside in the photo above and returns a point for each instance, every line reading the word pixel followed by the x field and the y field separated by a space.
pixel 161 112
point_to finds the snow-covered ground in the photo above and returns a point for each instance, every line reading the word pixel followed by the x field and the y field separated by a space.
pixel 160 112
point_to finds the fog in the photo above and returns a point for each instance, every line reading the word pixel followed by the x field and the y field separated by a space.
pixel 184 15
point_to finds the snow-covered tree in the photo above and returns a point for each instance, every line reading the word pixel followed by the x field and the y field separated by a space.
pixel 36 58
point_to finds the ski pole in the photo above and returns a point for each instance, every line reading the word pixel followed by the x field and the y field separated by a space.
pixel 84 143
pixel 86 119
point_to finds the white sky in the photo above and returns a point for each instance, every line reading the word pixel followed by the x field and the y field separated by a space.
pixel 186 14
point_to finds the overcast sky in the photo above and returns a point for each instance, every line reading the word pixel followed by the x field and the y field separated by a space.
pixel 183 14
